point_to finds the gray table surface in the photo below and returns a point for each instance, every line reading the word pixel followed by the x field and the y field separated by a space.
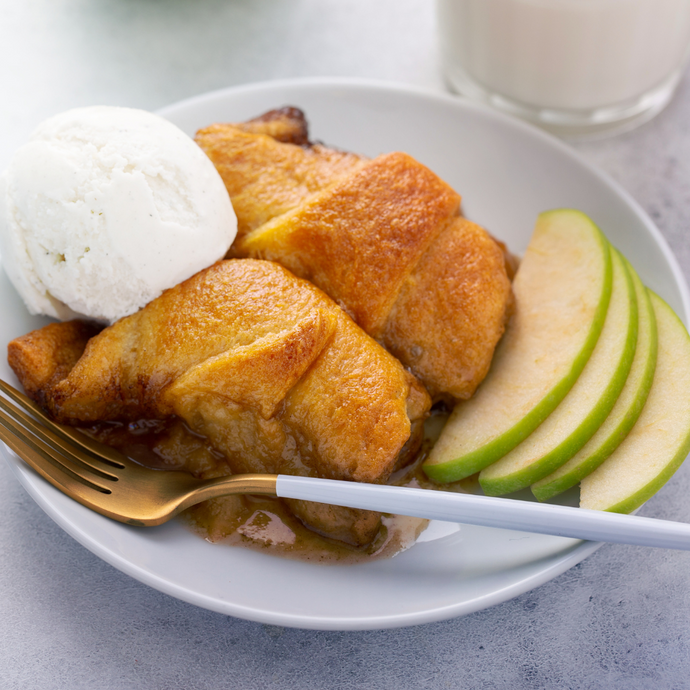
pixel 620 619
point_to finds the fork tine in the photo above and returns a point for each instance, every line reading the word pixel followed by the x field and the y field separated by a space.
pixel 65 461
pixel 98 450
pixel 49 468
pixel 61 443
pixel 65 447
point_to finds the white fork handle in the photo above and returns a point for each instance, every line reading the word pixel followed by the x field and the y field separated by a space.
pixel 523 516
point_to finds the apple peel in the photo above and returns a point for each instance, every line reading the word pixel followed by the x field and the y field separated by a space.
pixel 586 405
pixel 660 440
pixel 624 413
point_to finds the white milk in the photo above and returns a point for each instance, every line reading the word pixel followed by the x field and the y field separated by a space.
pixel 569 55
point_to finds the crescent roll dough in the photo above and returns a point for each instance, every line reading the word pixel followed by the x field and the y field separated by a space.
pixel 383 237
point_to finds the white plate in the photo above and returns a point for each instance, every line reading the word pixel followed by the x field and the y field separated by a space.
pixel 507 173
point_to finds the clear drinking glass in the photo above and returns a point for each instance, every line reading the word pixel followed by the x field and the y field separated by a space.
pixel 575 67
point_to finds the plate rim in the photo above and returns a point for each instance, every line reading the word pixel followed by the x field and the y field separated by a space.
pixel 36 486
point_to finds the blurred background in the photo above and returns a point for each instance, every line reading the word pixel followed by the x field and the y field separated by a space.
pixel 147 53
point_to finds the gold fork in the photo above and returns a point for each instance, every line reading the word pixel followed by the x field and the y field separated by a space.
pixel 109 483
pixel 104 479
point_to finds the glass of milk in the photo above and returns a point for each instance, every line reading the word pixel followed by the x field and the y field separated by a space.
pixel 575 67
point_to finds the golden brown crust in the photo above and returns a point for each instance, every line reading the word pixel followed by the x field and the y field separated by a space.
pixel 265 177
pixel 259 375
pixel 42 358
pixel 260 362
pixel 360 239
pixel 344 223
pixel 452 311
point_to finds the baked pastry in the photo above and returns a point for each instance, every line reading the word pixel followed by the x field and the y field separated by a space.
pixel 262 363
pixel 383 237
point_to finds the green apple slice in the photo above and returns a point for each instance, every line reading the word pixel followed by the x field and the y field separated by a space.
pixel 562 291
pixel 624 413
pixel 586 405
pixel 660 439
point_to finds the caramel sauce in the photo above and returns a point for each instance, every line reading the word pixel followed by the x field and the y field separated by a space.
pixel 257 522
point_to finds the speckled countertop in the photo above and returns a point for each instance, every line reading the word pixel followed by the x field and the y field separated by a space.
pixel 620 619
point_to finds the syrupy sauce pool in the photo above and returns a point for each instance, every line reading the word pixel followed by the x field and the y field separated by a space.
pixel 258 522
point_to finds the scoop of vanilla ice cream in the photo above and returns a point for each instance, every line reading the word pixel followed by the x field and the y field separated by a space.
pixel 104 208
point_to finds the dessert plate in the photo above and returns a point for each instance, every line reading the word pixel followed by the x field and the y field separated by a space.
pixel 507 173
